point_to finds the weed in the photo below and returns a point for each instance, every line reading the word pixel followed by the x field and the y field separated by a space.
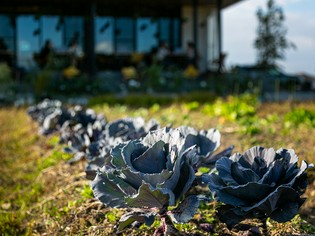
pixel 87 192
pixel 299 116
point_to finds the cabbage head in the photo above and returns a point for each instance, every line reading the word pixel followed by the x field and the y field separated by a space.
pixel 260 183
pixel 153 172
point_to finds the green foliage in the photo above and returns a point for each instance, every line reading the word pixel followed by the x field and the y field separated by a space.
pixel 147 100
pixel 298 222
pixel 5 73
pixel 56 156
pixel 299 116
pixel 234 108
pixel 251 125
pixel 158 78
pixel 191 106
pixel 132 100
pixel 20 178
pixel 42 82
pixel 53 140
pixel 87 192
pixel 153 75
pixel 271 41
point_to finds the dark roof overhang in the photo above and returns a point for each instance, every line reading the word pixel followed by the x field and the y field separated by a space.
pixel 104 7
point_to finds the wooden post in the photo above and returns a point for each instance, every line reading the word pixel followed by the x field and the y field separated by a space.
pixel 89 26
pixel 195 29
pixel 219 27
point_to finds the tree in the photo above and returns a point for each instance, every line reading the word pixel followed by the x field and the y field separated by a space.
pixel 271 41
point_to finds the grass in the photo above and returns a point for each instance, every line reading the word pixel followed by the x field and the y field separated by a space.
pixel 41 194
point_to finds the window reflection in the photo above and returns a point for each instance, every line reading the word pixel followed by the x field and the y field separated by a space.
pixel 7 31
pixel 28 37
pixel 73 28
pixel 53 31
pixel 176 34
pixel 146 34
pixel 164 34
pixel 124 34
pixel 104 35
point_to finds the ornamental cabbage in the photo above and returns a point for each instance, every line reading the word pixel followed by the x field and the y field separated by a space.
pixel 260 183
pixel 115 132
pixel 50 114
pixel 151 174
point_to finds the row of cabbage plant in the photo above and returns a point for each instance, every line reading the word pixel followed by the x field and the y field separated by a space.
pixel 153 170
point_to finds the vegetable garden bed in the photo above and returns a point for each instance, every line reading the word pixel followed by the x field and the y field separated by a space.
pixel 41 194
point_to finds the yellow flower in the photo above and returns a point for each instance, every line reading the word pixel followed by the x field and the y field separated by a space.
pixel 191 71
pixel 71 72
pixel 129 72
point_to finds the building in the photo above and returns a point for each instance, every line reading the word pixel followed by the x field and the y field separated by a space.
pixel 109 31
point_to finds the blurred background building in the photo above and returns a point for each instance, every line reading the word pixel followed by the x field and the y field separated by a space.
pixel 110 31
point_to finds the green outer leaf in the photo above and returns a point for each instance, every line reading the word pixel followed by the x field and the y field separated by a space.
pixel 148 197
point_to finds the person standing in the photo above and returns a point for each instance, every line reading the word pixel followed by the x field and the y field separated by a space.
pixel 75 51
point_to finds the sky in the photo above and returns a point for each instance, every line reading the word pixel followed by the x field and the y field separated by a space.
pixel 239 32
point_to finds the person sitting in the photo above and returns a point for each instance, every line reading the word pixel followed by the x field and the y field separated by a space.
pixel 46 54
pixel 162 51
pixel 191 56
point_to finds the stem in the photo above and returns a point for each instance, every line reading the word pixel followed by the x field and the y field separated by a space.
pixel 264 227
pixel 160 231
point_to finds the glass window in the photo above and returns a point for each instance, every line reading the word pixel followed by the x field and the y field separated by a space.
pixel 146 34
pixel 52 30
pixel 165 25
pixel 73 28
pixel 176 34
pixel 7 31
pixel 104 35
pixel 124 34
pixel 28 38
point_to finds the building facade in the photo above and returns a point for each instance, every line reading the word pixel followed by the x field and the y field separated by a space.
pixel 105 28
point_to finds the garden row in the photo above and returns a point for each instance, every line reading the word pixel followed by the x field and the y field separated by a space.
pixel 159 171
